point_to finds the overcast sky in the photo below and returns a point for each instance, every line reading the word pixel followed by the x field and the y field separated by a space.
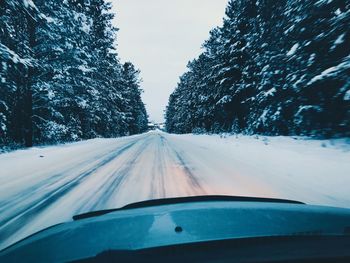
pixel 160 37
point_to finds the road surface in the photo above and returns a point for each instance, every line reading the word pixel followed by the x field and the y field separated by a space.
pixel 45 186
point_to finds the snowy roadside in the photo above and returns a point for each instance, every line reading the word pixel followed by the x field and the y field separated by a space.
pixel 308 170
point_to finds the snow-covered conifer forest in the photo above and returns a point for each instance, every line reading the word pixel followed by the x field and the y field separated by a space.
pixel 60 76
pixel 274 68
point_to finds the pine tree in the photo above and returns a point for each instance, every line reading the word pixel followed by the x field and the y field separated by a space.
pixel 60 76
pixel 274 67
pixel 18 25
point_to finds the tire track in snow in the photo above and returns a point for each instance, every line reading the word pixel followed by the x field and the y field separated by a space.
pixel 193 182
pixel 66 174
pixel 118 177
pixel 158 171
pixel 192 179
pixel 13 223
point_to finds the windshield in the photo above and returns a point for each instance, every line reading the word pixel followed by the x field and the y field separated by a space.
pixel 225 97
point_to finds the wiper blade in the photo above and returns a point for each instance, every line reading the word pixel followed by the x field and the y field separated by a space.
pixel 181 200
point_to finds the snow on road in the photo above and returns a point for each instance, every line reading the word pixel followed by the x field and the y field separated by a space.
pixel 43 186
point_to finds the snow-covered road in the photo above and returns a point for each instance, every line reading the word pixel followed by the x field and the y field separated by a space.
pixel 43 186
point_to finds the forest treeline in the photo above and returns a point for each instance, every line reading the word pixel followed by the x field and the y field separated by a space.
pixel 274 68
pixel 60 76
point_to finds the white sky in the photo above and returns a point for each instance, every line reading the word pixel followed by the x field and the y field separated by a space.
pixel 160 37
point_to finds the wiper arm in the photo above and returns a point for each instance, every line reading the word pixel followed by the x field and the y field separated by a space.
pixel 181 200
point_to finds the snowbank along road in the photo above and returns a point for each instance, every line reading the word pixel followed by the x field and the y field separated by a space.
pixel 40 187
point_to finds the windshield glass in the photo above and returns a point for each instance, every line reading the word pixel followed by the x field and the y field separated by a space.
pixel 221 97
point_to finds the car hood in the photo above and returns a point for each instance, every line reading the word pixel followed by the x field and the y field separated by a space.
pixel 173 223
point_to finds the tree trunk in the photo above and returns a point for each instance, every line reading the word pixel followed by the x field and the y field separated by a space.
pixel 28 95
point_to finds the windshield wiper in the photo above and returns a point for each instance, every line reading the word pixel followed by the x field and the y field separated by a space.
pixel 188 199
